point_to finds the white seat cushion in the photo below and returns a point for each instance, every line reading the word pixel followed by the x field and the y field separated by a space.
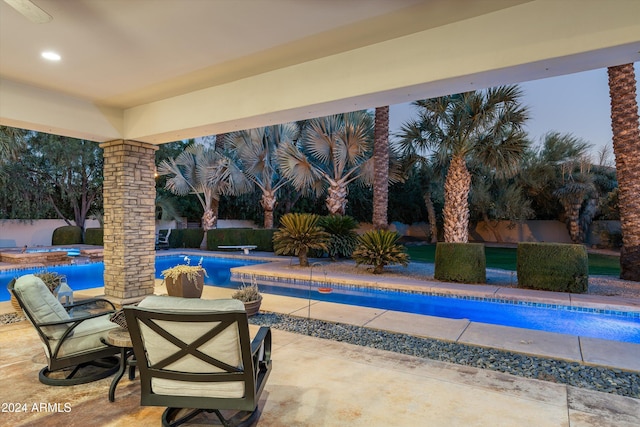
pixel 86 336
pixel 41 304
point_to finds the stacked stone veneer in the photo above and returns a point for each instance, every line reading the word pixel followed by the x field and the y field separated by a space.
pixel 129 225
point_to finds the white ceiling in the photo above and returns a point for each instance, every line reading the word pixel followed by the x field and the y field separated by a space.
pixel 146 69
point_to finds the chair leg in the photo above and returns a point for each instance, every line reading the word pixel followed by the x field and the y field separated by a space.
pixel 170 416
pixel 239 419
pixel 108 365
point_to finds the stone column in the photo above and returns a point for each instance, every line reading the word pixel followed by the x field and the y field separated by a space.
pixel 129 220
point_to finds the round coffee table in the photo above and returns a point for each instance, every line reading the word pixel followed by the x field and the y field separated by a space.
pixel 120 338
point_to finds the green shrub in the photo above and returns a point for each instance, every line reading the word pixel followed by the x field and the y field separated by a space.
pixel 94 236
pixel 553 267
pixel 299 233
pixel 460 262
pixel 186 238
pixel 263 239
pixel 380 248
pixel 67 235
pixel 342 236
pixel 239 236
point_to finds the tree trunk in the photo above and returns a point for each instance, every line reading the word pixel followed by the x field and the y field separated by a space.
pixel 626 148
pixel 302 257
pixel 573 216
pixel 381 169
pixel 456 202
pixel 209 221
pixel 268 203
pixel 220 140
pixel 431 216
pixel 337 197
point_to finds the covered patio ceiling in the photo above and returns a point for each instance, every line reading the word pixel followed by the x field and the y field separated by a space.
pixel 161 70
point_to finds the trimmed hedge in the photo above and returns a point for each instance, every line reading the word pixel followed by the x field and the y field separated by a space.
pixel 460 262
pixel 94 236
pixel 66 235
pixel 553 267
pixel 185 238
pixel 262 238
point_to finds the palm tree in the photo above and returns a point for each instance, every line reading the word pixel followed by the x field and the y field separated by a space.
pixel 560 180
pixel 424 163
pixel 626 147
pixel 332 151
pixel 485 126
pixel 256 151
pixel 381 168
pixel 577 187
pixel 208 174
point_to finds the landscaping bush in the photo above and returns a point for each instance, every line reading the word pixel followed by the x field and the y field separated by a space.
pixel 262 238
pixel 380 248
pixel 553 267
pixel 298 234
pixel 186 238
pixel 94 236
pixel 460 262
pixel 67 235
pixel 343 238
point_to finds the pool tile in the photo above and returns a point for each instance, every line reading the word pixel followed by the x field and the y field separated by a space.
pixel 606 302
pixel 419 325
pixel 485 291
pixel 534 296
pixel 547 344
pixel 616 354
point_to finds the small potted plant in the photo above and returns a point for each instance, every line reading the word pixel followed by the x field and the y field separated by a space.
pixel 185 280
pixel 251 297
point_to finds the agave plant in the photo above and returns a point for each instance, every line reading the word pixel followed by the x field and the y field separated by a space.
pixel 298 234
pixel 380 248
pixel 343 239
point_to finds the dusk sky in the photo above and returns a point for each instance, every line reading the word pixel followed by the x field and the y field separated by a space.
pixel 575 103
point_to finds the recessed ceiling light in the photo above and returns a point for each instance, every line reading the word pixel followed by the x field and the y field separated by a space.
pixel 51 56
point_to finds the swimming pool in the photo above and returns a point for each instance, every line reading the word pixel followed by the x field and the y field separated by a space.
pixel 605 324
pixel 87 276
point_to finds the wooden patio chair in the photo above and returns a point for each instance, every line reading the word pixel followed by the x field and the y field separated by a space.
pixel 196 356
pixel 73 343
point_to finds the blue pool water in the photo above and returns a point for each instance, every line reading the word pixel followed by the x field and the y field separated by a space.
pixel 86 276
pixel 618 326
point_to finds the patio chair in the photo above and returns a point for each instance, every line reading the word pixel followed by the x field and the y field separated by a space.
pixel 72 343
pixel 162 239
pixel 196 356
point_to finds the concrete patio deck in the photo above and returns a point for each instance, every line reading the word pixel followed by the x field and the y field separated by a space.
pixel 318 382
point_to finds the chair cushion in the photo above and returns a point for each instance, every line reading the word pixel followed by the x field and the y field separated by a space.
pixel 224 347
pixel 41 304
pixel 177 304
pixel 86 336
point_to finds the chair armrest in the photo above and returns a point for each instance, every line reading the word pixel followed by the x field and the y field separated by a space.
pixel 263 336
pixel 90 301
pixel 76 320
